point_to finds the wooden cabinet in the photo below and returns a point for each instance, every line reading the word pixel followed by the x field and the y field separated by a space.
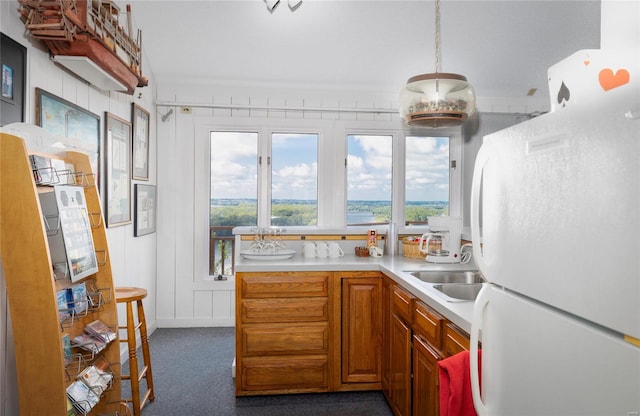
pixel 308 332
pixel 361 329
pixel 43 375
pixel 402 303
pixel 429 324
pixel 340 331
pixel 418 337
pixel 427 341
pixel 386 333
pixel 425 378
pixel 400 351
pixel 400 367
pixel 455 340
pixel 282 333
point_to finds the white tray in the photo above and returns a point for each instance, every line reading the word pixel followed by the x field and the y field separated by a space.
pixel 278 255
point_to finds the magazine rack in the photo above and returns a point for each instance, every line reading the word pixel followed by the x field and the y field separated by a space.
pixel 39 329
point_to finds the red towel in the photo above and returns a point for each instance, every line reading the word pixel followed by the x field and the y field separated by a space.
pixel 455 385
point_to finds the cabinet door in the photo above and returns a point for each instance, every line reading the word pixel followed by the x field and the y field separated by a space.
pixel 386 338
pixel 400 367
pixel 425 379
pixel 455 340
pixel 361 329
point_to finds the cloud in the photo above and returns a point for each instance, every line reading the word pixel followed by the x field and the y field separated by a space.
pixel 233 165
pixel 297 181
pixel 369 171
pixel 354 163
pixel 427 168
pixel 378 152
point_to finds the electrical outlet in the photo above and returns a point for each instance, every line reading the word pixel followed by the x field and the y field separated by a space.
pixel 185 110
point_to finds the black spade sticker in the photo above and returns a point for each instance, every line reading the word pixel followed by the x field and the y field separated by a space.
pixel 563 95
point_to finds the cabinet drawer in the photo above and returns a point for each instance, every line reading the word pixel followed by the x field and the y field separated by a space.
pixel 429 324
pixel 285 339
pixel 283 285
pixel 284 310
pixel 402 304
pixel 455 340
pixel 284 374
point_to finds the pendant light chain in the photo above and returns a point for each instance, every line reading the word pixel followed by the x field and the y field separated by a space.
pixel 437 36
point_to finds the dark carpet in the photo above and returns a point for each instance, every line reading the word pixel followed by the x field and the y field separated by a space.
pixel 192 376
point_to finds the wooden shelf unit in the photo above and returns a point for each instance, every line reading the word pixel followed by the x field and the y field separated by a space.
pixel 31 288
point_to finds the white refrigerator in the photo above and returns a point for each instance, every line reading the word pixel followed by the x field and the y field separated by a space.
pixel 555 222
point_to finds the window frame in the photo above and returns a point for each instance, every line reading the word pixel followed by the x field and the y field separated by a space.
pixel 351 131
pixel 332 169
pixel 455 174
pixel 268 170
pixel 264 129
pixel 399 135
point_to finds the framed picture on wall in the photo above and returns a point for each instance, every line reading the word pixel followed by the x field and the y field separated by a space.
pixel 144 219
pixel 13 62
pixel 7 83
pixel 76 127
pixel 118 170
pixel 140 118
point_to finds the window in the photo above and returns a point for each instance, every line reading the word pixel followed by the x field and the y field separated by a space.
pixel 233 193
pixel 247 170
pixel 296 176
pixel 234 185
pixel 294 179
pixel 369 179
pixel 426 181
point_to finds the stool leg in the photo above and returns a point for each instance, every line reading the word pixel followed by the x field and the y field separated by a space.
pixel 146 356
pixel 133 360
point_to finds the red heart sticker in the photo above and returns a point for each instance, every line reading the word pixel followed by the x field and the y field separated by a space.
pixel 609 80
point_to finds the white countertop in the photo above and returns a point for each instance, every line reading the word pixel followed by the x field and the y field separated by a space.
pixel 460 313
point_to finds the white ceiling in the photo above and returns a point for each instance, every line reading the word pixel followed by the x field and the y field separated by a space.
pixel 504 48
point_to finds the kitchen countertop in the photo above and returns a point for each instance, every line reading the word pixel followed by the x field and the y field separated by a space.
pixel 460 313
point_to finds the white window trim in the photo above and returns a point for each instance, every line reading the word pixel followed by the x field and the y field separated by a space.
pixel 343 129
pixel 332 152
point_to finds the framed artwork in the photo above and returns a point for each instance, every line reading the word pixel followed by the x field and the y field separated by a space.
pixel 13 63
pixel 77 127
pixel 7 82
pixel 140 118
pixel 144 209
pixel 118 170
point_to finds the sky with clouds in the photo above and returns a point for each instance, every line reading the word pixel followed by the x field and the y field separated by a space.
pixel 294 167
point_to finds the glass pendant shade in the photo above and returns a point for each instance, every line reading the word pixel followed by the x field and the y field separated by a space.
pixel 437 100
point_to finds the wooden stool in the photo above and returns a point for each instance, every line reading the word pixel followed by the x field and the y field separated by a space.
pixel 129 295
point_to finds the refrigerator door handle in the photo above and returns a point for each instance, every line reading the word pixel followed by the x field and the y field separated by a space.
pixel 476 239
pixel 476 324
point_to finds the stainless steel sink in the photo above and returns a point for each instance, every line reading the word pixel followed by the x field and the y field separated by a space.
pixel 460 291
pixel 432 276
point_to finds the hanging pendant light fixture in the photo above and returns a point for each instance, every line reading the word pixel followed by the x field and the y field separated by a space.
pixel 437 99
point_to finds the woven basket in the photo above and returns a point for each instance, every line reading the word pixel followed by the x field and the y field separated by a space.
pixel 410 249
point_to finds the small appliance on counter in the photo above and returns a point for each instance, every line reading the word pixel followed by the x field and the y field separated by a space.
pixel 442 243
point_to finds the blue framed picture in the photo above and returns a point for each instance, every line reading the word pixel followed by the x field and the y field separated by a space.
pixel 7 82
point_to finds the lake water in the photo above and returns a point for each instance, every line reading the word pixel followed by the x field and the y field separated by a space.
pixel 359 217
